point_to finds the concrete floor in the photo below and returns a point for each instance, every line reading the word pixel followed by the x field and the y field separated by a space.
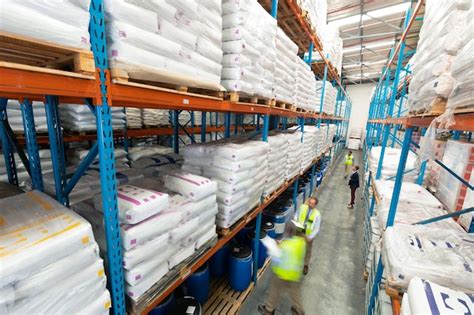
pixel 334 284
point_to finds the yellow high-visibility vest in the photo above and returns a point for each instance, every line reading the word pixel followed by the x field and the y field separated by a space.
pixel 290 266
pixel 349 159
pixel 307 220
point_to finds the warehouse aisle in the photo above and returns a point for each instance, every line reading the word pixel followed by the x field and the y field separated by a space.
pixel 335 283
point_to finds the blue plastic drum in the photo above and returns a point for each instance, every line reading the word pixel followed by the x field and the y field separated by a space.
pixel 242 235
pixel 262 250
pixel 240 267
pixel 218 262
pixel 164 307
pixel 269 227
pixel 278 217
pixel 198 283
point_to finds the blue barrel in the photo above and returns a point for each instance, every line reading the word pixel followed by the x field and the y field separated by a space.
pixel 218 262
pixel 186 306
pixel 278 217
pixel 242 235
pixel 240 267
pixel 269 227
pixel 164 307
pixel 262 250
pixel 198 283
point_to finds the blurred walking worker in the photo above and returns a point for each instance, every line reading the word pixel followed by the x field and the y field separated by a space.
pixel 287 267
pixel 348 162
pixel 353 184
pixel 310 218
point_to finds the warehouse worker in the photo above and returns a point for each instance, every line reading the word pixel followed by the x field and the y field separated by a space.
pixel 353 184
pixel 287 266
pixel 349 160
pixel 310 218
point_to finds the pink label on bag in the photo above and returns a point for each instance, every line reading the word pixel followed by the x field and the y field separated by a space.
pixel 114 53
pixel 133 242
pixel 138 277
pixel 129 199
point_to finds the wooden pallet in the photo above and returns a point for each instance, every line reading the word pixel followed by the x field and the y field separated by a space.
pixel 225 301
pixel 28 51
pixel 465 109
pixel 245 98
pixel 226 231
pixel 284 105
pixel 181 271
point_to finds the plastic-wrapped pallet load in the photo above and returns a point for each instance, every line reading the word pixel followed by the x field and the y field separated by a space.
pixel 22 174
pixel 295 153
pixel 317 14
pixel 444 24
pixel 143 152
pixel 390 163
pixel 444 256
pixel 247 31
pixel 134 117
pixel 175 42
pixel 305 96
pixel 50 262
pixel 426 297
pixel 458 157
pixel 60 22
pixel 277 161
pixel 310 149
pixel 285 68
pixel 239 167
pixel 15 117
pixel 329 101
pixel 332 44
pixel 80 118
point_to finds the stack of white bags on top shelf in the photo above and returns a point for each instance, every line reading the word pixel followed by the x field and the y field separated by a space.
pixel 446 28
pixel 330 94
pixel 177 42
pixel 50 263
pixel 390 163
pixel 134 117
pixel 305 91
pixel 286 65
pixel 15 117
pixel 60 22
pixel 310 146
pixel 277 161
pixel 317 13
pixel 426 297
pixel 295 153
pixel 239 166
pixel 248 30
pixel 159 230
pixel 22 174
pixel 80 118
pixel 332 45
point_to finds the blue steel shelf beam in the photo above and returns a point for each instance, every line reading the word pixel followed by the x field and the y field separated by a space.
pixel 6 146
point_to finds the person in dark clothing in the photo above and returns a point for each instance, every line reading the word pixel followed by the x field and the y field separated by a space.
pixel 353 184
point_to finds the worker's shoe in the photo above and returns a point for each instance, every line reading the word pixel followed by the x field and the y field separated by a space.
pixel 294 311
pixel 305 270
pixel 262 309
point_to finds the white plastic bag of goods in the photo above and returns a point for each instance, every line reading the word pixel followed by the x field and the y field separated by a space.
pixel 236 61
pixel 209 215
pixel 136 234
pixel 141 271
pixel 56 272
pixel 99 306
pixel 195 59
pixel 228 176
pixel 180 256
pixel 238 86
pixel 7 298
pixel 181 230
pixel 68 295
pixel 232 188
pixel 443 256
pixel 207 49
pixel 207 15
pixel 189 185
pixel 134 292
pixel 201 206
pixel 21 20
pixel 230 209
pixel 122 11
pixel 160 7
pixel 192 169
pixel 230 199
pixel 136 204
pixel 242 47
pixel 48 232
pixel 176 34
pixel 134 56
pixel 233 20
pixel 118 31
pixel 143 252
pixel 230 6
pixel 426 297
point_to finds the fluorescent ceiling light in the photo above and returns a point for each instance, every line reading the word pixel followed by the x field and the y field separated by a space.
pixel 368 46
pixel 380 13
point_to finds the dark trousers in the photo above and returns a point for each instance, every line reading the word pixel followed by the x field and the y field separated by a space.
pixel 353 195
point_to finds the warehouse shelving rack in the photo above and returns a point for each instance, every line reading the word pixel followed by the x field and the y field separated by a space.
pixel 382 119
pixel 100 93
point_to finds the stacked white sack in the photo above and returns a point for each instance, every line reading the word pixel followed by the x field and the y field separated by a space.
pixel 295 154
pixel 426 297
pixel 332 44
pixel 142 152
pixel 324 136
pixel 443 27
pixel 443 256
pixel 22 174
pixel 317 14
pixel 285 70
pixel 50 263
pixel 390 163
pixel 134 117
pixel 239 166
pixel 305 92
pixel 248 30
pixel 329 100
pixel 120 155
pixel 177 42
pixel 277 162
pixel 310 145
pixel 415 204
pixel 152 164
pixel 458 157
pixel 80 118
pixel 15 117
pixel 60 22
pixel 341 112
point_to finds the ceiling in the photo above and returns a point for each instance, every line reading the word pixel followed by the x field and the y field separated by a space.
pixel 369 29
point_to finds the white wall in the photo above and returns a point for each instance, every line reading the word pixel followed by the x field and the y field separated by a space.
pixel 360 97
